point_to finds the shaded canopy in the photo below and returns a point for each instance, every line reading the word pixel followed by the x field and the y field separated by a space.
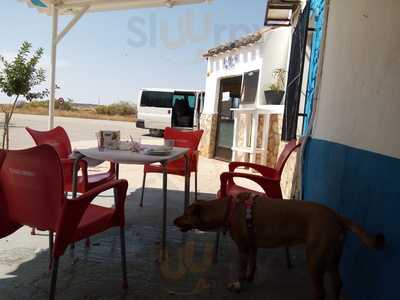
pixel 71 7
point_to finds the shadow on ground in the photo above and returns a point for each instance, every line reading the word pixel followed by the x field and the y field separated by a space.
pixel 188 273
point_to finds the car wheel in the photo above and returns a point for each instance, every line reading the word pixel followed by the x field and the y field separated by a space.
pixel 157 132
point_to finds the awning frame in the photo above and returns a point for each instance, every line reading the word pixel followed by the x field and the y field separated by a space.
pixel 78 8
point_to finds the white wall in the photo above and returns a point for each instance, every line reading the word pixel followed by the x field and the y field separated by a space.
pixel 276 56
pixel 359 103
pixel 270 53
pixel 250 60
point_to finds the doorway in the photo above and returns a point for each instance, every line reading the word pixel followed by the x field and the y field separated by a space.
pixel 229 97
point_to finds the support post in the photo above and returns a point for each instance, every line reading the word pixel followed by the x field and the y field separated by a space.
pixel 236 118
pixel 54 14
pixel 254 134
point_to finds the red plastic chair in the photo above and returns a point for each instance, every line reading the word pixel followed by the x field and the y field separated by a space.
pixel 269 178
pixel 184 139
pixel 32 194
pixel 59 140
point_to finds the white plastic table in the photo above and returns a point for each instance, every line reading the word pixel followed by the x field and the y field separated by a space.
pixel 96 156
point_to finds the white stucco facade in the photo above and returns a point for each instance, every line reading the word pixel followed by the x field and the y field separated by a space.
pixel 268 54
pixel 359 100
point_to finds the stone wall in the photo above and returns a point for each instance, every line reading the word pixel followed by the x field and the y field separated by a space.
pixel 274 139
pixel 208 122
pixel 275 147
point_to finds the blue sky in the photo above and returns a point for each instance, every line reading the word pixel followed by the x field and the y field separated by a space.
pixel 108 57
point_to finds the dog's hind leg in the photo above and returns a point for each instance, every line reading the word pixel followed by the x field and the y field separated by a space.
pixel 316 267
pixel 252 265
pixel 334 275
pixel 333 268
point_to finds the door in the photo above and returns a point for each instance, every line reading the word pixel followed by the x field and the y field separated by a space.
pixel 228 98
pixel 183 109
pixel 156 109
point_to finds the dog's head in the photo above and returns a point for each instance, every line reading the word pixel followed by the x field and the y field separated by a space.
pixel 201 215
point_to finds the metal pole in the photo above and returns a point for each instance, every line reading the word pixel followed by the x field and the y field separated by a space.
pixel 54 13
pixel 164 219
pixel 187 180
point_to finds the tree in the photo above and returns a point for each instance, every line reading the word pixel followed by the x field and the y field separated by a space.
pixel 18 77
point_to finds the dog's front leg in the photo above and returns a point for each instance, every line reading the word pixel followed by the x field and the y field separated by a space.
pixel 252 266
pixel 237 286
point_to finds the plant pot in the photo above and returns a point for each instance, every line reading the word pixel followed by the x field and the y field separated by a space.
pixel 274 97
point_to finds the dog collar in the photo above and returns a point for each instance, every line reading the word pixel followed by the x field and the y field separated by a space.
pixel 231 207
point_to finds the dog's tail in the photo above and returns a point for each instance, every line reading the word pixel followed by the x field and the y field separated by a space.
pixel 375 242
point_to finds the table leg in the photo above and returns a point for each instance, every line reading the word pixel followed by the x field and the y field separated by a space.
pixel 164 219
pixel 187 181
pixel 117 171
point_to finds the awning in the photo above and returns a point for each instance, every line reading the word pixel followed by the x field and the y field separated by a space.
pixel 77 8
pixel 71 7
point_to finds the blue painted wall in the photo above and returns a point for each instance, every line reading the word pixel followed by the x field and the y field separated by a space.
pixel 365 187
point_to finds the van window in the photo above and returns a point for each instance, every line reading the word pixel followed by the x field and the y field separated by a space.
pixel 192 101
pixel 156 99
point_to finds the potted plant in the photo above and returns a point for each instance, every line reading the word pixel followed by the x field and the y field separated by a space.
pixel 274 93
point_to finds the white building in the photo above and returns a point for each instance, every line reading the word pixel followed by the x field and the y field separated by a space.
pixel 236 116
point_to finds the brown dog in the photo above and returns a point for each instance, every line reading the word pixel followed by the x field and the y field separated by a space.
pixel 276 223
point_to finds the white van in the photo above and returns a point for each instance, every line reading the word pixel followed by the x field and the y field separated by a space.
pixel 160 108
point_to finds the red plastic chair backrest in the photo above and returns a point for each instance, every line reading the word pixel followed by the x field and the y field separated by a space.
pixel 284 156
pixel 7 227
pixel 184 139
pixel 57 138
pixel 32 188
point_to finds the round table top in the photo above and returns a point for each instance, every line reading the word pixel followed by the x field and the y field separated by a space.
pixel 128 157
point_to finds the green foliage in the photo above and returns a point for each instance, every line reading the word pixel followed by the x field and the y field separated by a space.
pixel 121 108
pixel 22 74
pixel 17 78
pixel 66 106
pixel 280 76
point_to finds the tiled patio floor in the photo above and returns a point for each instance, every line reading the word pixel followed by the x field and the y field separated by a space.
pixel 188 273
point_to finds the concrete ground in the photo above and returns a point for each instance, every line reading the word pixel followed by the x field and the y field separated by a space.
pixel 95 273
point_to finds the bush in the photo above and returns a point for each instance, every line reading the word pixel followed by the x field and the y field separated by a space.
pixel 120 108
pixel 66 106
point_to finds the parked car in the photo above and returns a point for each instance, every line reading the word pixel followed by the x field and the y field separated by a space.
pixel 161 108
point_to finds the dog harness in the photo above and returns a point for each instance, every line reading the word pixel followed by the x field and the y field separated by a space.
pixel 249 207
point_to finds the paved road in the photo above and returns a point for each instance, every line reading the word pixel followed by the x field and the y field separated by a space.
pixel 78 129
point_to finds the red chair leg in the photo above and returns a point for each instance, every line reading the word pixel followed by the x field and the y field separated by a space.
pixel 288 259
pixel 51 242
pixel 143 186
pixel 216 246
pixel 53 283
pixel 123 258
pixel 195 186
pixel 33 231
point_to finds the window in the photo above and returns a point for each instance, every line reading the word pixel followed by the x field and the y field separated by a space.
pixel 250 87
pixel 156 99
pixel 192 101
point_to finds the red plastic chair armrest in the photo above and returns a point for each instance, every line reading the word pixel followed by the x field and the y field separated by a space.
pixel 269 185
pixel 263 170
pixel 73 211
